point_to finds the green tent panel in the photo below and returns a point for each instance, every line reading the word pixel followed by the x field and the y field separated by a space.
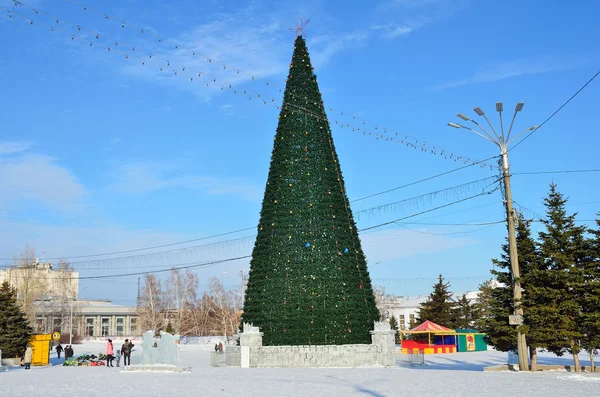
pixel 470 341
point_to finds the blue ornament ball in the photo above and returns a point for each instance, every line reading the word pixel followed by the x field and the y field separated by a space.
pixel 307 245
pixel 346 250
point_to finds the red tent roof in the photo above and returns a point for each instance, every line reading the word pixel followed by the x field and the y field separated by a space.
pixel 429 326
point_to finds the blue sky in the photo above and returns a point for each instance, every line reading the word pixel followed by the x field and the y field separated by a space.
pixel 101 153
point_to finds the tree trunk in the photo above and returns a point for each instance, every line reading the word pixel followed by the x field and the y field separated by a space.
pixel 533 356
pixel 592 364
pixel 577 364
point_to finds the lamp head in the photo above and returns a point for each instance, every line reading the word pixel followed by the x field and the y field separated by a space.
pixel 478 111
pixel 454 125
pixel 462 116
pixel 499 107
pixel 519 107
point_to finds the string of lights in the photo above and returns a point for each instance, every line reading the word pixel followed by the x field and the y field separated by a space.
pixel 177 45
pixel 417 201
pixel 151 58
pixel 251 228
pixel 186 252
pixel 395 221
pixel 120 262
pixel 194 265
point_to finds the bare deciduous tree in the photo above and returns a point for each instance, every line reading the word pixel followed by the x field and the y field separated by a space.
pixel 151 309
pixel 224 309
pixel 181 295
pixel 29 281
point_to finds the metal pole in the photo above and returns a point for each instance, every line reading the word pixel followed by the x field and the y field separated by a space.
pixel 71 325
pixel 514 260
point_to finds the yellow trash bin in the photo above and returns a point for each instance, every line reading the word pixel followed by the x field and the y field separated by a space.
pixel 40 344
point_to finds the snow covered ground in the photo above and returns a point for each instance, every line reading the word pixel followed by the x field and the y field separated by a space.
pixel 459 374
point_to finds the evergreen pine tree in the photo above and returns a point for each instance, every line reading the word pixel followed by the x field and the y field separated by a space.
pixel 308 282
pixel 589 319
pixel 394 326
pixel 14 327
pixel 483 302
pixel 169 328
pixel 464 313
pixel 555 291
pixel 439 307
pixel 498 296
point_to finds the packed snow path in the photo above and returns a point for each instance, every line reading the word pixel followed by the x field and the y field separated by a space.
pixel 458 374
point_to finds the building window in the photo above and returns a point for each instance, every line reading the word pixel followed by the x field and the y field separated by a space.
pixel 40 324
pixel 402 322
pixel 120 326
pixel 89 326
pixel 411 320
pixel 132 326
pixel 56 325
pixel 105 326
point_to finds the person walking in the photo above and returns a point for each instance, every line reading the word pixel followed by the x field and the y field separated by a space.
pixel 126 352
pixel 28 356
pixel 109 353
pixel 59 350
pixel 68 352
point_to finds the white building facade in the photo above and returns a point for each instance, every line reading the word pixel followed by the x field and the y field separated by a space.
pixel 405 308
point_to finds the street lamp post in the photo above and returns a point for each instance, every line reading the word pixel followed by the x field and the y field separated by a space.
pixel 503 141
pixel 71 325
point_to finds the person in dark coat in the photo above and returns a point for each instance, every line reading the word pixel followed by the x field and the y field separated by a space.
pixel 59 350
pixel 68 352
pixel 126 352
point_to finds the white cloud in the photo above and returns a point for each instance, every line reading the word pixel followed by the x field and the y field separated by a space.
pixel 392 31
pixel 403 17
pixel 324 47
pixel 227 109
pixel 143 177
pixel 35 177
pixel 14 147
pixel 232 42
pixel 515 68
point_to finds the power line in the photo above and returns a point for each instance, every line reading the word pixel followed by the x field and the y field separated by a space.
pixel 189 250
pixel 556 111
pixel 454 224
pixel 251 228
pixel 451 233
pixel 191 266
pixel 422 180
pixel 360 230
pixel 556 172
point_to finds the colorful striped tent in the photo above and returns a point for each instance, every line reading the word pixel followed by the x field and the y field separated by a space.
pixel 428 327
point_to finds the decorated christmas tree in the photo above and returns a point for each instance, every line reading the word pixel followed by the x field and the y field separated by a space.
pixel 308 281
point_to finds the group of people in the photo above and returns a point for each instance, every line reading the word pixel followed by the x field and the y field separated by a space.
pixel 68 351
pixel 125 351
